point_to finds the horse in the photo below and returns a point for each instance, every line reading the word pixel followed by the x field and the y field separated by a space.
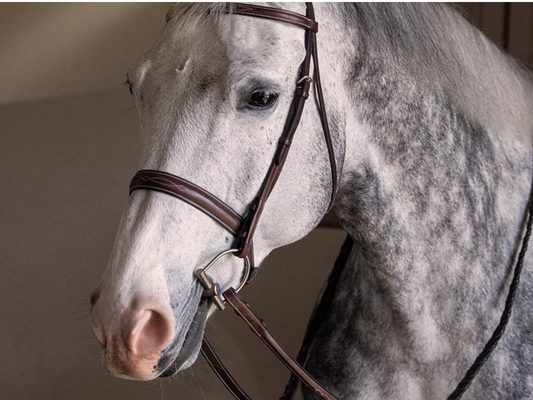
pixel 432 130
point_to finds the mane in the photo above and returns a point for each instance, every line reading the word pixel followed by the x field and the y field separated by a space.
pixel 433 44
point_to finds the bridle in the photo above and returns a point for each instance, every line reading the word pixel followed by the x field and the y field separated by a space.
pixel 244 227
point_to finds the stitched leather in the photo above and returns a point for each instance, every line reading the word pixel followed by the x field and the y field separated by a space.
pixel 195 196
pixel 259 328
pixel 273 13
pixel 190 193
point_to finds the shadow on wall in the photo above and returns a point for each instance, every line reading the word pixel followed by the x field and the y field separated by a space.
pixel 66 164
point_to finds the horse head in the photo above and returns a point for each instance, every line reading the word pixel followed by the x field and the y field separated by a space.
pixel 213 97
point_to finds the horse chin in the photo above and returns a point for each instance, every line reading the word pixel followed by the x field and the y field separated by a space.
pixel 170 364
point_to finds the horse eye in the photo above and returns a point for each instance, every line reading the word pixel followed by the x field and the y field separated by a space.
pixel 262 98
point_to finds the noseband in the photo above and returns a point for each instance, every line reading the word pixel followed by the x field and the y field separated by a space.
pixel 243 227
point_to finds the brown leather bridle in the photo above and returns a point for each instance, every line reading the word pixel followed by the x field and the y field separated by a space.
pixel 243 228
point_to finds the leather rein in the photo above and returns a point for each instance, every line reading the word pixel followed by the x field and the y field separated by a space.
pixel 243 227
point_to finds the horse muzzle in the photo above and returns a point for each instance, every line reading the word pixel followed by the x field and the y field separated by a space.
pixel 133 345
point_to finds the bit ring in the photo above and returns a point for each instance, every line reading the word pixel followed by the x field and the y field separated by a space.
pixel 212 289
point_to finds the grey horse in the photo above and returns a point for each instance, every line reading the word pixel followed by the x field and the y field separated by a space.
pixel 432 129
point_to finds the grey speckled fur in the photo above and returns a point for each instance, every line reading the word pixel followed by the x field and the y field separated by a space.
pixel 432 126
pixel 434 186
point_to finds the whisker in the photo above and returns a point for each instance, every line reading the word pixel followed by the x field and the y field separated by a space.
pixel 85 309
pixel 162 387
pixel 198 382
pixel 124 112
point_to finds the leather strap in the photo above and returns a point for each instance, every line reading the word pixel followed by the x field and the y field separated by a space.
pixel 221 371
pixel 295 113
pixel 253 10
pixel 325 125
pixel 190 193
pixel 259 328
pixel 197 197
pixel 319 313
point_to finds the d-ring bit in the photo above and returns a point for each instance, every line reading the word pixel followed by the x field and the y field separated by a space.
pixel 211 289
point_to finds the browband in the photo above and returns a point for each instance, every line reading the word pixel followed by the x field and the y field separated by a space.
pixel 273 13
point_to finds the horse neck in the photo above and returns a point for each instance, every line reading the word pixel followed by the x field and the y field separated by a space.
pixel 432 190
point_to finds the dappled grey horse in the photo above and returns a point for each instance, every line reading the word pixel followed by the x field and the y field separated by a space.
pixel 432 130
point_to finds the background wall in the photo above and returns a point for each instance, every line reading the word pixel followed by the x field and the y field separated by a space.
pixel 68 147
pixel 509 25
pixel 60 49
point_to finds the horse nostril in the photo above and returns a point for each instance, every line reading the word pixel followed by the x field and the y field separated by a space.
pixel 94 298
pixel 150 333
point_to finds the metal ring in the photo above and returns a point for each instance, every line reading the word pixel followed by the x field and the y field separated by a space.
pixel 247 268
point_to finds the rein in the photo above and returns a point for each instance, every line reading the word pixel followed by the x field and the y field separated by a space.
pixel 243 227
